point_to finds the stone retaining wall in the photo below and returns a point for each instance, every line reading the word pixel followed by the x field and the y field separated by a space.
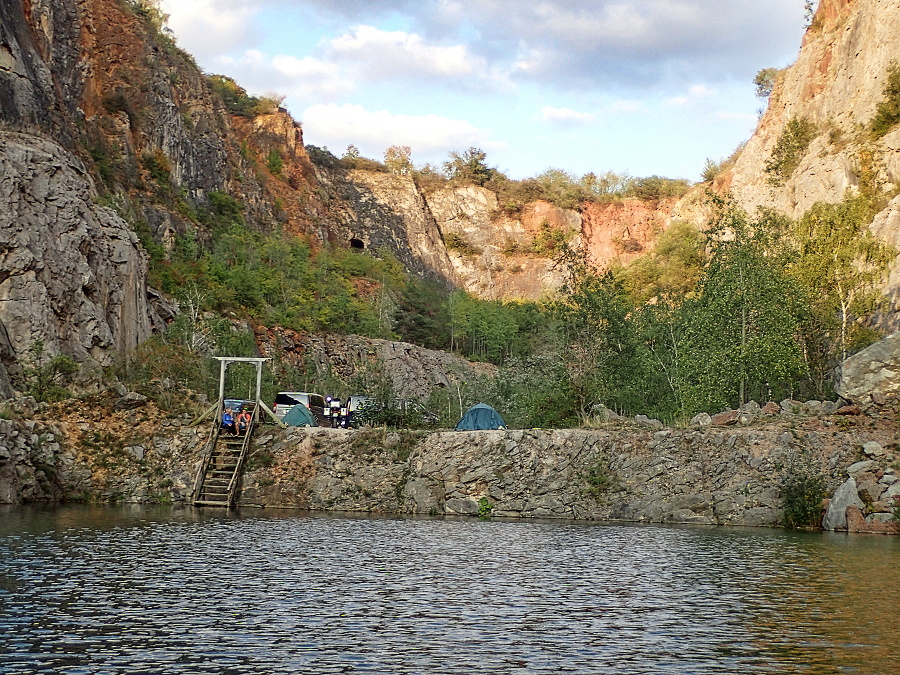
pixel 714 475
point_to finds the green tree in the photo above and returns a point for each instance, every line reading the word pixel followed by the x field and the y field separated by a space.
pixel 562 188
pixel 765 81
pixel 670 270
pixel 470 165
pixel 397 159
pixel 607 184
pixel 842 264
pixel 600 348
pixel 789 149
pixel 738 337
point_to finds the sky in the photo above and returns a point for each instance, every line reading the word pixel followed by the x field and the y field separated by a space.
pixel 641 87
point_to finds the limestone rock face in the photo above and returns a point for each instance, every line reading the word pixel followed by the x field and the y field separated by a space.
pixel 73 273
pixel 380 210
pixel 494 256
pixel 873 374
pixel 836 83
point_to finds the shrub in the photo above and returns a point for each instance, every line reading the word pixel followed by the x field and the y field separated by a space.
pixel 802 489
pixel 548 241
pixel 157 165
pixel 657 187
pixel 238 102
pixel 713 168
pixel 597 478
pixel 798 133
pixel 887 114
pixel 765 81
pixel 45 376
pixel 275 162
pixel 456 242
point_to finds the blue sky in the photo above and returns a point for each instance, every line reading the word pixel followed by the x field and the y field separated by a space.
pixel 633 86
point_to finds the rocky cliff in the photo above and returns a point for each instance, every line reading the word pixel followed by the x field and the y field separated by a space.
pixel 99 106
pixel 835 85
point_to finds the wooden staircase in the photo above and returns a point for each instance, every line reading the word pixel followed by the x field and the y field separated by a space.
pixel 220 473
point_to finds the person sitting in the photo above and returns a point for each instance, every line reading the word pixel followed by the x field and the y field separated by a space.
pixel 243 422
pixel 228 422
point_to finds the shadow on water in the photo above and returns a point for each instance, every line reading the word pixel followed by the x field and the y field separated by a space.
pixel 175 589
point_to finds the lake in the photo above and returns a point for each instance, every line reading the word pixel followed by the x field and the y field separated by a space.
pixel 181 590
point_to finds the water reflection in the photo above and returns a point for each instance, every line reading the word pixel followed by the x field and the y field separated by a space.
pixel 159 590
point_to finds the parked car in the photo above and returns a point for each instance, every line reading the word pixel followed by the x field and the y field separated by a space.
pixel 285 400
pixel 239 404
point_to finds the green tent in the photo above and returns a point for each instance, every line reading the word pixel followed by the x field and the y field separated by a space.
pixel 299 416
pixel 480 416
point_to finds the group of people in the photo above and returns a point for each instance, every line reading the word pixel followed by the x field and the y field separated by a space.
pixel 236 426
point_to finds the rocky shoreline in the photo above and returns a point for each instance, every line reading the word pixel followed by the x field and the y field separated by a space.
pixel 627 470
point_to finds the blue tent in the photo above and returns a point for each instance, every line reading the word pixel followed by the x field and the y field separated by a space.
pixel 480 416
pixel 299 416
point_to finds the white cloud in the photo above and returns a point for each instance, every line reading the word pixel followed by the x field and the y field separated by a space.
pixel 302 78
pixel 373 131
pixel 209 28
pixel 376 54
pixel 694 94
pixel 386 52
pixel 565 117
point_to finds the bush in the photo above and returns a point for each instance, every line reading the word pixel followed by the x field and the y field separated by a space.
pixel 158 166
pixel 887 114
pixel 802 490
pixel 456 242
pixel 798 133
pixel 238 102
pixel 46 376
pixel 275 162
pixel 765 81
pixel 657 187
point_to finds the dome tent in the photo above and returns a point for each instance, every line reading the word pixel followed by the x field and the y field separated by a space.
pixel 299 416
pixel 480 416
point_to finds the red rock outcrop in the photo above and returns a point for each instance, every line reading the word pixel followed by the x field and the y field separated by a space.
pixel 619 231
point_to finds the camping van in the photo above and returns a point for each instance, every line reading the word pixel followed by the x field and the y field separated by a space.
pixel 285 400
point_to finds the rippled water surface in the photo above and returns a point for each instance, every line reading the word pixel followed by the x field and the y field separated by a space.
pixel 137 590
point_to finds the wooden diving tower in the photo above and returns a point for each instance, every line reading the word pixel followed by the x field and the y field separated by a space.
pixel 219 474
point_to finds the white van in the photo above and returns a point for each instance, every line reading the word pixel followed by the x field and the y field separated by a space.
pixel 285 400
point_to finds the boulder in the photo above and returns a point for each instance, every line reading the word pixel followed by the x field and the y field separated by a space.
pixel 771 408
pixel 875 524
pixel 652 423
pixel 873 449
pixel 836 515
pixel 725 419
pixel 700 421
pixel 859 467
pixel 872 374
